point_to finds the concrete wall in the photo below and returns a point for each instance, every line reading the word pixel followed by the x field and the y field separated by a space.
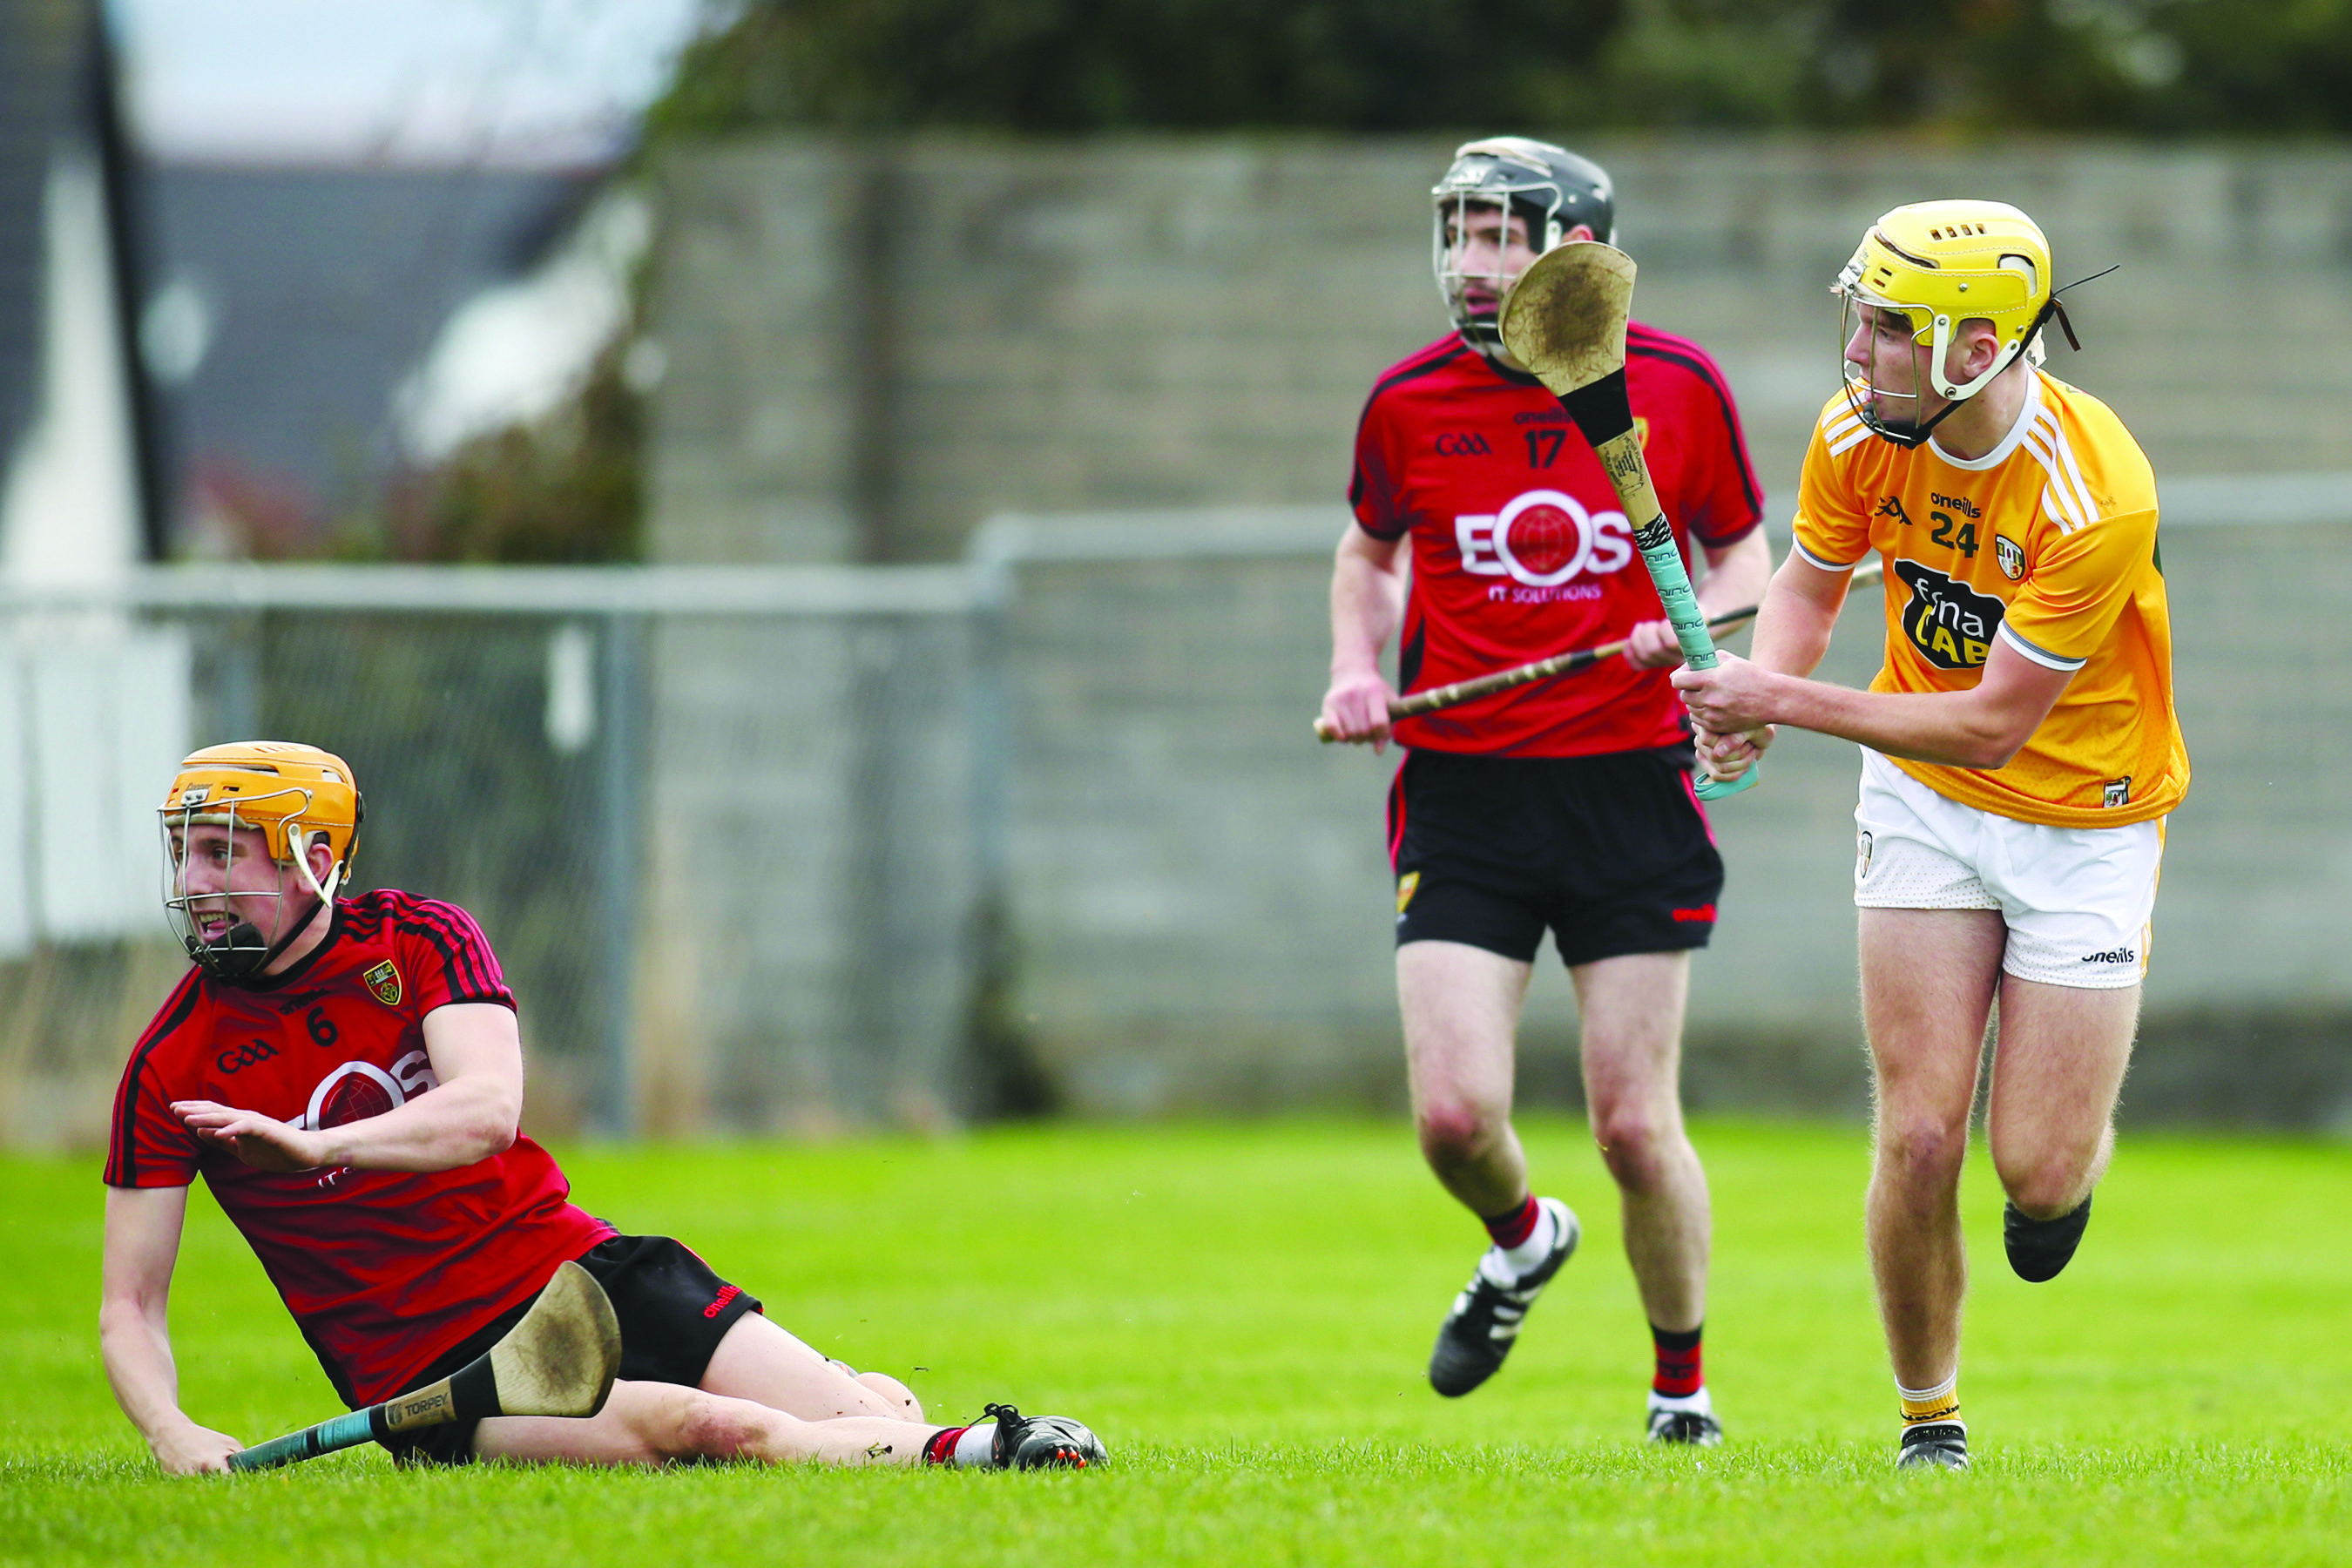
pixel 1203 904
pixel 872 347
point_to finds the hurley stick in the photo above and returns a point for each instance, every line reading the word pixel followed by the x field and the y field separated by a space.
pixel 1437 697
pixel 1565 321
pixel 559 1361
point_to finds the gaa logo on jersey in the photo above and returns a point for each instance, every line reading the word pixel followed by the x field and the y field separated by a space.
pixel 1542 538
pixel 384 981
pixel 1949 623
pixel 2011 555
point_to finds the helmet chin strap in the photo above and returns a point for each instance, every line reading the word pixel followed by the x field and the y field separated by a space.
pixel 243 954
pixel 1904 433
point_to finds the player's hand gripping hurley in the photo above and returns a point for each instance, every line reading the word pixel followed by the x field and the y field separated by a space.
pixel 560 1360
pixel 1565 321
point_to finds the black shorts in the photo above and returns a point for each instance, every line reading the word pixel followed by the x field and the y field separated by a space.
pixel 673 1311
pixel 1611 852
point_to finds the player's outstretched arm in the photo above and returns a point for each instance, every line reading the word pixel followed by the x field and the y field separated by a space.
pixel 1367 603
pixel 1982 727
pixel 471 1114
pixel 143 1244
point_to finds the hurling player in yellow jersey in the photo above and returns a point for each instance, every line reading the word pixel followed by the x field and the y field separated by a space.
pixel 2019 750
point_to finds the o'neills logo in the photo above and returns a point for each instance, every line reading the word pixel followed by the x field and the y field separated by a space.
pixel 1950 624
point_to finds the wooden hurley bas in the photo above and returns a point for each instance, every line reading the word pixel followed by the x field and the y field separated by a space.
pixel 560 1360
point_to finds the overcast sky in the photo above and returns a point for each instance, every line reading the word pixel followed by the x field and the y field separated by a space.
pixel 396 80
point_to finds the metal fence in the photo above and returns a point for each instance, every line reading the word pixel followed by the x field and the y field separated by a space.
pixel 684 803
pixel 775 849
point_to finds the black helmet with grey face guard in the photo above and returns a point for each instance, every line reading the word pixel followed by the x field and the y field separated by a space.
pixel 1549 187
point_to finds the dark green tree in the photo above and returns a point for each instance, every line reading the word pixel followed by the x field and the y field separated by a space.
pixel 1070 67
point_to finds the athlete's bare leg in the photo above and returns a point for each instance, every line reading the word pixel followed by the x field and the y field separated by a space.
pixel 1927 982
pixel 2056 1072
pixel 1461 1007
pixel 760 1361
pixel 1632 1042
pixel 656 1423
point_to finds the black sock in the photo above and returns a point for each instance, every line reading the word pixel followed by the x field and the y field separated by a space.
pixel 2040 1248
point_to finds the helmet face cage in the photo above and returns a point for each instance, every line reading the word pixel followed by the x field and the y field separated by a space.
pixel 1891 406
pixel 1550 190
pixel 245 950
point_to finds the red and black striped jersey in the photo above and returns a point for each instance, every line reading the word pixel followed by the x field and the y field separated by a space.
pixel 383 1270
pixel 1519 549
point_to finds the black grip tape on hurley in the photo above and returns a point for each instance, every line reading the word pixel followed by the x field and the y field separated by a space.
pixel 1601 409
pixel 474 1391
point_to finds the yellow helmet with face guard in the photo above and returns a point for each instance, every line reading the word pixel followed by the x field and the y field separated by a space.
pixel 1940 264
pixel 297 797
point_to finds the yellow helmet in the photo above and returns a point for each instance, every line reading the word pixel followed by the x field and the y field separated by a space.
pixel 297 797
pixel 1940 264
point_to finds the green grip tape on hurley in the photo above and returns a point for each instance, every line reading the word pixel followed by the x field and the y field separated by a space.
pixel 342 1431
pixel 1672 579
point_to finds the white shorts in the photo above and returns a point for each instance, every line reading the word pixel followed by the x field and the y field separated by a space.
pixel 2077 901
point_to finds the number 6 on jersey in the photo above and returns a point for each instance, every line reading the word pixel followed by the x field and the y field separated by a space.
pixel 1565 321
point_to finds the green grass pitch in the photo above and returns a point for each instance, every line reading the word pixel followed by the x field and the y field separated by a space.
pixel 1243 1314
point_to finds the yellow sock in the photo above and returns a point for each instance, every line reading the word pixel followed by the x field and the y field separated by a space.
pixel 1941 1403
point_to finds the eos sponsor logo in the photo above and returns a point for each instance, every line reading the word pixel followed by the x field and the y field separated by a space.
pixel 1960 504
pixel 1542 539
pixel 1949 623
pixel 2113 955
pixel 1462 443
pixel 356 1090
pixel 245 1056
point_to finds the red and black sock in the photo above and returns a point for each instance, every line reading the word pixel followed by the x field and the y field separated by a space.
pixel 939 1449
pixel 1514 1226
pixel 1678 1375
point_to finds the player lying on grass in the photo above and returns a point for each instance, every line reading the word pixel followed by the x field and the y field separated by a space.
pixel 346 1076
pixel 2019 750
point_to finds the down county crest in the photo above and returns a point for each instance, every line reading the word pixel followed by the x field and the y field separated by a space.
pixel 2011 555
pixel 384 981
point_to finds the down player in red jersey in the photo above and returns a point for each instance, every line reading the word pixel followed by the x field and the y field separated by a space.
pixel 346 1076
pixel 1565 805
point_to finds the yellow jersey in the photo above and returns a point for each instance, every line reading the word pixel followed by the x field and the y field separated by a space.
pixel 2047 542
